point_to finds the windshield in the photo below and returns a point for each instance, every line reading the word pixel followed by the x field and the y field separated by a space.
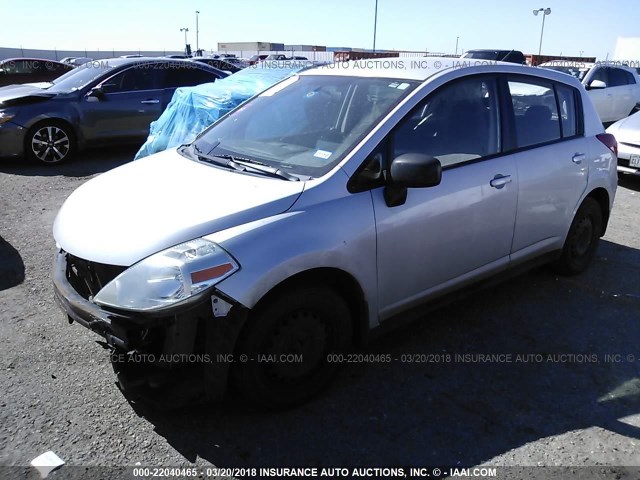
pixel 80 77
pixel 579 73
pixel 306 124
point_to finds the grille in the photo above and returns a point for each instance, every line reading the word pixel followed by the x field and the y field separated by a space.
pixel 88 278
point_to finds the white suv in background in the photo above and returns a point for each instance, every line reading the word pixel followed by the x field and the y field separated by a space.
pixel 614 89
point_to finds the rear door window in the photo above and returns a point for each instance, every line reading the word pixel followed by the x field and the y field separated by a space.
pixel 535 112
pixel 617 77
pixel 186 76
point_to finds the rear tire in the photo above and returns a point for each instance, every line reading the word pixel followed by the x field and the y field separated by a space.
pixel 582 239
pixel 50 142
pixel 313 322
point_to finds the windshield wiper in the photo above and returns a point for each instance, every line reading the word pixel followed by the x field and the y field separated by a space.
pixel 240 164
pixel 216 159
pixel 264 168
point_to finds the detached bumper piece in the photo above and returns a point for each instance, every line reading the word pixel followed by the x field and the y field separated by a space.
pixel 166 359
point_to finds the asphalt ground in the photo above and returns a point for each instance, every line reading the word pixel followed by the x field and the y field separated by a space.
pixel 539 370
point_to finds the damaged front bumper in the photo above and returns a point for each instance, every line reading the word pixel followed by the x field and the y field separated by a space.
pixel 190 346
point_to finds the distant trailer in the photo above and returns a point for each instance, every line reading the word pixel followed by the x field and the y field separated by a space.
pixel 346 56
pixel 536 60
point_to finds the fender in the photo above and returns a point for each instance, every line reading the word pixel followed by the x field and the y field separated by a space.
pixel 337 234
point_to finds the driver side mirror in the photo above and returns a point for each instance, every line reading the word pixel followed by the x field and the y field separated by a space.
pixel 96 92
pixel 597 84
pixel 410 170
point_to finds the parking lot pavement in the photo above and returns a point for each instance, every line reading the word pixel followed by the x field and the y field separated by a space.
pixel 562 386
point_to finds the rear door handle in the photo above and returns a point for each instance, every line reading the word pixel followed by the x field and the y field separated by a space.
pixel 500 181
pixel 150 101
pixel 578 158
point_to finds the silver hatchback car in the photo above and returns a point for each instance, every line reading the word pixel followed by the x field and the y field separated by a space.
pixel 321 209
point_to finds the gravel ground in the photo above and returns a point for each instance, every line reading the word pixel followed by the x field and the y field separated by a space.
pixel 58 390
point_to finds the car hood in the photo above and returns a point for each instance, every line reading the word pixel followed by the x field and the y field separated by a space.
pixel 627 130
pixel 21 94
pixel 143 207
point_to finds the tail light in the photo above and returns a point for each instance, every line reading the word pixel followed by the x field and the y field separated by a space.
pixel 609 141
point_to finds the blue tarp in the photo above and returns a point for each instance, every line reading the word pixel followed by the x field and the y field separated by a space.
pixel 192 109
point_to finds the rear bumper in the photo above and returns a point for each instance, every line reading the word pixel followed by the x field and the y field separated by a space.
pixel 11 140
pixel 155 353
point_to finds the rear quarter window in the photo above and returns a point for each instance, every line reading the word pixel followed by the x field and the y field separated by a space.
pixel 569 111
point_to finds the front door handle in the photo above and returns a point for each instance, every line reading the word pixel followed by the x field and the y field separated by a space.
pixel 150 101
pixel 500 181
pixel 578 158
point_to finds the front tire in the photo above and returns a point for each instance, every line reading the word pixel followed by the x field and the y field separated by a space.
pixel 582 239
pixel 312 322
pixel 50 142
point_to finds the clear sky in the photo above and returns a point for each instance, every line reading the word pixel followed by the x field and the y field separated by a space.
pixel 590 26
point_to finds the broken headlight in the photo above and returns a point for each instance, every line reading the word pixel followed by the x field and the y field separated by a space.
pixel 168 277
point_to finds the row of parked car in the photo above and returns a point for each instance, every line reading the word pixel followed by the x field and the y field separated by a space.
pixel 25 70
pixel 613 87
pixel 67 108
pixel 97 103
pixel 614 90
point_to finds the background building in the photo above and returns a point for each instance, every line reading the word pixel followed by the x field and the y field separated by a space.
pixel 250 46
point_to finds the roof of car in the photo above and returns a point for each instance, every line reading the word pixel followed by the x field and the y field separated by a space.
pixel 490 50
pixel 421 68
pixel 117 62
pixel 17 59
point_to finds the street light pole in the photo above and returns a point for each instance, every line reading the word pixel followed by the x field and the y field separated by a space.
pixel 185 30
pixel 457 38
pixel 545 12
pixel 197 32
pixel 375 25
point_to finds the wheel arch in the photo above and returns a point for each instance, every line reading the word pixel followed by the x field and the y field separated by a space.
pixel 57 119
pixel 339 280
pixel 601 196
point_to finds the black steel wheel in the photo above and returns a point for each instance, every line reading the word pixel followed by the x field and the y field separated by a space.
pixel 284 354
pixel 582 239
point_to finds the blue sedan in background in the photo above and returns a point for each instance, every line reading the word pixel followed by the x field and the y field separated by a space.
pixel 100 103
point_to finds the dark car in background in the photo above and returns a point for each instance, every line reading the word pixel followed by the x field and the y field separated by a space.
pixel 512 56
pixel 99 103
pixel 257 59
pixel 27 70
pixel 220 63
